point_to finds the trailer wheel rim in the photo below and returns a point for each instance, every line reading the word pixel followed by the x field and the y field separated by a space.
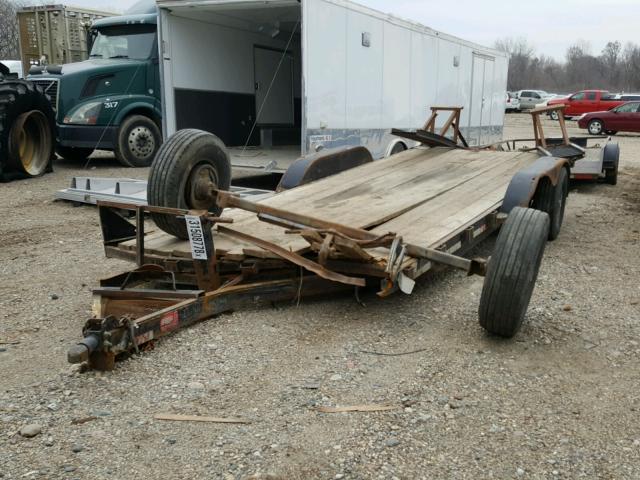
pixel 200 186
pixel 141 142
pixel 30 143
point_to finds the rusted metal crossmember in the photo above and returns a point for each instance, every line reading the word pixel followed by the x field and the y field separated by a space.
pixel 300 221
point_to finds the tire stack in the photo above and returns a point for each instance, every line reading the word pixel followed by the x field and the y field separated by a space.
pixel 27 130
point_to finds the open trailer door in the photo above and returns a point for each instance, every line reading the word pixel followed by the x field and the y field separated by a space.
pixel 233 68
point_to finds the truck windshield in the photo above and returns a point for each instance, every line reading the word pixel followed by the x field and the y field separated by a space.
pixel 126 41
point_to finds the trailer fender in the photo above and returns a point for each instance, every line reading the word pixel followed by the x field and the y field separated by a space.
pixel 323 164
pixel 524 183
pixel 396 146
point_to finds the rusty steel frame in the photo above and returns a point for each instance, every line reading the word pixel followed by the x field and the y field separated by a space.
pixel 168 293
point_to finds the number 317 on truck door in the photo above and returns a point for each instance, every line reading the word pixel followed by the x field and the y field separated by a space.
pixel 110 104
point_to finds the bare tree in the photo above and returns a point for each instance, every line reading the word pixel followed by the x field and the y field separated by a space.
pixel 9 43
pixel 520 57
pixel 631 67
pixel 610 59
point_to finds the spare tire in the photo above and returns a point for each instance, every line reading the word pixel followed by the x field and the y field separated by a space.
pixel 27 125
pixel 185 169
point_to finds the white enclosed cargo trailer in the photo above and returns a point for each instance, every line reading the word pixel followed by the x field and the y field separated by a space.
pixel 283 78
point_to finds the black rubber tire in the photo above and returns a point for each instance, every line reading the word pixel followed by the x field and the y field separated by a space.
pixel 595 126
pixel 124 144
pixel 512 271
pixel 167 185
pixel 397 148
pixel 610 163
pixel 18 97
pixel 552 200
pixel 74 154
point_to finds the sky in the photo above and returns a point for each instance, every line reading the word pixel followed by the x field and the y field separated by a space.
pixel 550 26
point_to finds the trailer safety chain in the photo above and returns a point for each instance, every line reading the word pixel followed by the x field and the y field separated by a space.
pixel 357 295
pixel 131 328
pixel 299 288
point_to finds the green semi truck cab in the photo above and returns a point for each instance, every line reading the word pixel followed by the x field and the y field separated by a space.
pixel 112 100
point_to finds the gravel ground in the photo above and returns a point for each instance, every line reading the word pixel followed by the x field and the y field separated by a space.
pixel 560 400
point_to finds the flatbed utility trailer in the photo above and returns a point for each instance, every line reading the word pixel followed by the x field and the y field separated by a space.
pixel 380 224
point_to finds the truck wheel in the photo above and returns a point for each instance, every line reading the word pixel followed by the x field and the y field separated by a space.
pixel 610 162
pixel 552 200
pixel 74 154
pixel 138 141
pixel 26 129
pixel 187 165
pixel 554 115
pixel 595 127
pixel 512 271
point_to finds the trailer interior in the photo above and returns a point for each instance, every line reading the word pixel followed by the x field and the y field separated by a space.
pixel 247 90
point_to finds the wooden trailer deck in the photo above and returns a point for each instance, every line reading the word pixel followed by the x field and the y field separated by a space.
pixel 426 195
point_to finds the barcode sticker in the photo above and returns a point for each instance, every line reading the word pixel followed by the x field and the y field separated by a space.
pixel 196 237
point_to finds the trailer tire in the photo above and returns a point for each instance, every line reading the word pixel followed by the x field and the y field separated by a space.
pixel 610 162
pixel 74 154
pixel 28 152
pixel 186 158
pixel 512 271
pixel 138 141
pixel 552 199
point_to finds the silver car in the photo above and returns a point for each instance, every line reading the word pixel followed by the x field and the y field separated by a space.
pixel 530 98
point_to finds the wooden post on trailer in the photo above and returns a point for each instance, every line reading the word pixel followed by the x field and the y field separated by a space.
pixel 452 122
pixel 538 131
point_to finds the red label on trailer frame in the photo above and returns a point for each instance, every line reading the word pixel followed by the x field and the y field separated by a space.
pixel 169 322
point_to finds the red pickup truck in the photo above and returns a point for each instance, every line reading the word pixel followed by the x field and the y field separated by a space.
pixel 587 101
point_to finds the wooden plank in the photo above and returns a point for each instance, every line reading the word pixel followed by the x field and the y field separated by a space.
pixel 434 221
pixel 361 205
pixel 197 418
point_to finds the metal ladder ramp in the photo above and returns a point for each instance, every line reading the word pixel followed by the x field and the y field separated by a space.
pixel 127 190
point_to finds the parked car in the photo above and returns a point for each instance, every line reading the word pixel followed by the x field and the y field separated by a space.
pixel 627 97
pixel 586 101
pixel 512 104
pixel 625 117
pixel 530 98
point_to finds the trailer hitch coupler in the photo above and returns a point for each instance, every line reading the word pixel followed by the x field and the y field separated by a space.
pixel 80 353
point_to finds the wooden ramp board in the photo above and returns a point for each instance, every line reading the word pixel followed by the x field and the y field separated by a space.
pixel 434 222
pixel 421 194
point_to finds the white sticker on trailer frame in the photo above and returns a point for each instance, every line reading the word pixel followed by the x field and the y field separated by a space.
pixel 196 237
